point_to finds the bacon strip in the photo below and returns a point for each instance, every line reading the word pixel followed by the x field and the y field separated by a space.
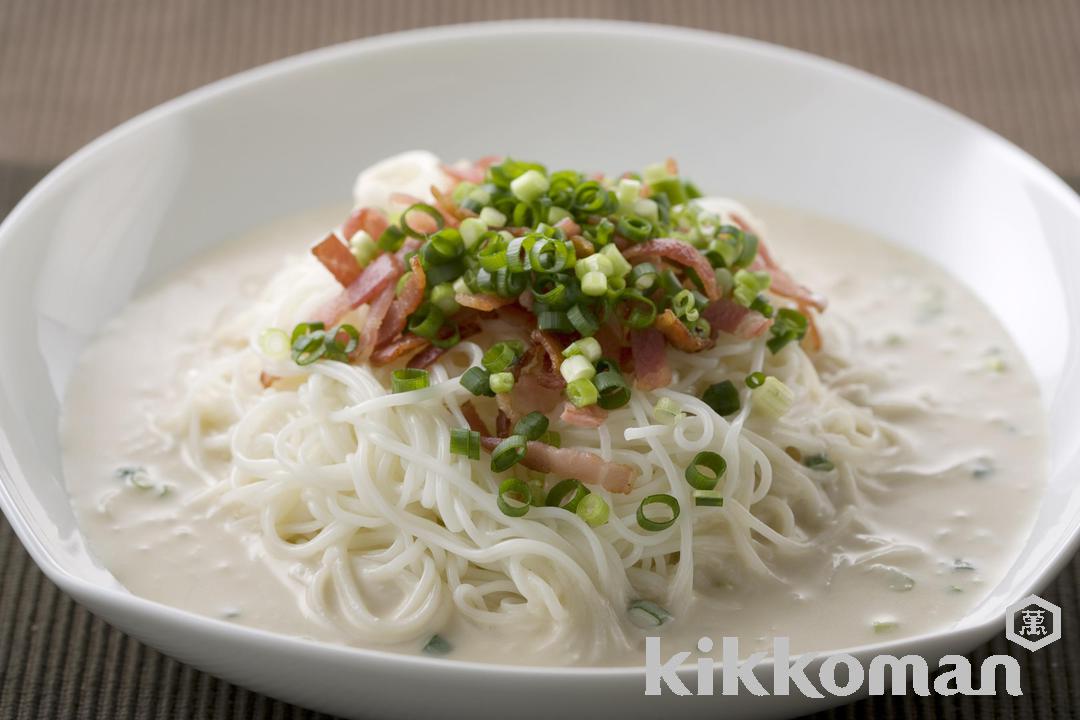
pixel 590 416
pixel 530 393
pixel 568 226
pixel 679 335
pixel 683 253
pixel 403 346
pixel 484 302
pixel 380 273
pixel 337 258
pixel 445 204
pixel 404 304
pixel 569 462
pixel 473 418
pixel 369 334
pixel 731 317
pixel 371 220
pixel 549 376
pixel 651 368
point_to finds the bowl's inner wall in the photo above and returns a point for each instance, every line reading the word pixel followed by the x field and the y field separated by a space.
pixel 742 119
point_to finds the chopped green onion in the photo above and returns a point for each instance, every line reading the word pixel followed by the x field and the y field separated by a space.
pixel 391 239
pixel 587 346
pixel 788 326
pixel 819 462
pixel 634 228
pixel 604 230
pixel 408 379
pixel 501 382
pixel 667 411
pixel 308 346
pixel 426 321
pixel 612 389
pixel 594 510
pixel 619 265
pixel 442 297
pixel 654 173
pixel 773 398
pixel 437 645
pixel 532 426
pixel 502 356
pixel 442 247
pixel 492 218
pixel 274 343
pixel 553 320
pixel 464 441
pixel 594 284
pixel 363 248
pixel 657 525
pixel 549 255
pixel 477 380
pixel 705 470
pixel 628 191
pixel 682 303
pixel 515 496
pixel 642 310
pixel 577 367
pixel 471 229
pixel 564 488
pixel 646 614
pixel 582 320
pixel 708 498
pixel 508 452
pixel 723 398
pixel 529 186
pixel 556 213
pixel 582 393
pixel 748 285
pixel 755 380
pixel 597 262
pixel 643 276
pixel 426 209
pixel 551 438
pixel 885 626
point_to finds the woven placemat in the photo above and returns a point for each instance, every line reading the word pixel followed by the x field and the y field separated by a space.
pixel 71 70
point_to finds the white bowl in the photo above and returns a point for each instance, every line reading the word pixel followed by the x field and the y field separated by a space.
pixel 744 118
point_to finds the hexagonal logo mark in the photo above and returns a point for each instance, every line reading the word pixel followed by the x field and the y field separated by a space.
pixel 1033 622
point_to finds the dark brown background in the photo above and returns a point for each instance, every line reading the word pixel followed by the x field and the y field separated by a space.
pixel 71 70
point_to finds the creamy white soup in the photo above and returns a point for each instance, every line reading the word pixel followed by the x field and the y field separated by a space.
pixel 885 496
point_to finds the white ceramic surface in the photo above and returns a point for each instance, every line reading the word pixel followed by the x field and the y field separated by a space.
pixel 744 118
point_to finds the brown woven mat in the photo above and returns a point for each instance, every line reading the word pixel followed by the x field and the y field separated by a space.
pixel 71 70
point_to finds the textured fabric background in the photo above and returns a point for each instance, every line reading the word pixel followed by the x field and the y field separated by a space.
pixel 71 70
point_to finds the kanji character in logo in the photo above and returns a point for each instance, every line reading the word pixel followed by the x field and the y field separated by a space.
pixel 1034 625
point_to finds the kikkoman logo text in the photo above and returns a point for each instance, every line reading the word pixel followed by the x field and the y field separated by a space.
pixel 1033 623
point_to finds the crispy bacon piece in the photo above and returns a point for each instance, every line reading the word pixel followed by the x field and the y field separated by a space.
pixel 451 212
pixel 405 303
pixel 568 226
pixel 682 253
pixel 266 379
pixel 582 247
pixel 569 462
pixel 473 418
pixel 590 416
pixel 337 258
pixel 530 393
pixel 473 173
pixel 404 346
pixel 678 335
pixel 651 368
pixel 731 317
pixel 548 373
pixel 484 302
pixel 371 220
pixel 369 334
pixel 382 271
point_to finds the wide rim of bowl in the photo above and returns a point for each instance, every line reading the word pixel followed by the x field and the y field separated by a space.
pixel 118 599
